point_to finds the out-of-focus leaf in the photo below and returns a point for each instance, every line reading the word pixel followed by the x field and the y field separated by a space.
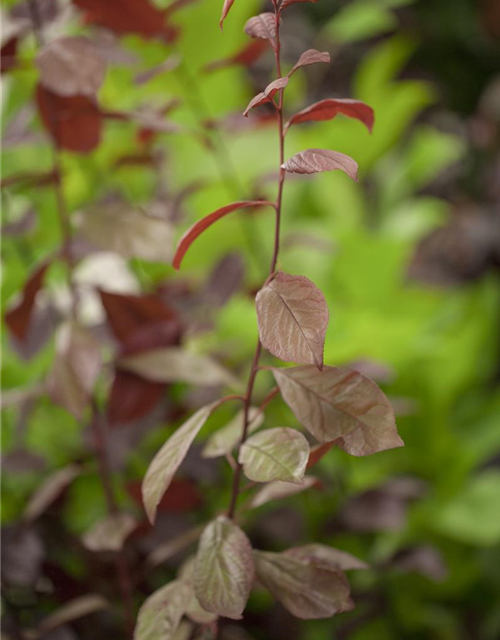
pixel 311 56
pixel 288 3
pixel 293 316
pixel 128 231
pixel 275 454
pixel 340 405
pixel 18 318
pixel 174 364
pixel 71 66
pixel 279 490
pixel 110 534
pixel 76 368
pixel 319 160
pixel 168 459
pixel 225 280
pixel 22 556
pixel 73 610
pixel 224 569
pixel 327 557
pixel 131 398
pixel 425 559
pixel 74 122
pixel 262 26
pixel 306 590
pixel 49 491
pixel 161 613
pixel 249 54
pixel 223 441
pixel 329 108
pixel 267 95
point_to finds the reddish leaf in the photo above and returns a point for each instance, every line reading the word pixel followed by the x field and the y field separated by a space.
pixel 225 10
pixel 139 17
pixel 250 53
pixel 9 54
pixel 311 56
pixel 19 317
pixel 73 122
pixel 197 229
pixel 328 109
pixel 131 398
pixel 182 495
pixel 129 314
pixel 71 66
pixel 319 160
pixel 287 3
pixel 318 452
pixel 267 95
pixel 262 26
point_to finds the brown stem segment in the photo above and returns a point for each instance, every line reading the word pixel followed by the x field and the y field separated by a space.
pixel 274 261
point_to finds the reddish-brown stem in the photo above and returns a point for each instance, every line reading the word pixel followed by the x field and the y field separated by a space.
pixel 274 261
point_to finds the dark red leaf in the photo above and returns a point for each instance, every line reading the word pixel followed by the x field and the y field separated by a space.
pixel 311 56
pixel 319 160
pixel 328 109
pixel 225 10
pixel 9 54
pixel 287 3
pixel 267 95
pixel 182 495
pixel 139 17
pixel 127 315
pixel 197 229
pixel 73 122
pixel 131 398
pixel 245 57
pixel 18 318
pixel 262 26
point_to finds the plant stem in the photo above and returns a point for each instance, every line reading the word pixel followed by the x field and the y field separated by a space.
pixel 274 262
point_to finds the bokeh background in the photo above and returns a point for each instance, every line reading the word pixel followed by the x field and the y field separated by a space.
pixel 408 260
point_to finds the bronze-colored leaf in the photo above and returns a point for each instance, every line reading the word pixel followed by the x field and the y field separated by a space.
pixel 267 95
pixel 311 56
pixel 293 316
pixel 225 10
pixel 328 109
pixel 342 405
pixel 320 160
pixel 279 490
pixel 262 26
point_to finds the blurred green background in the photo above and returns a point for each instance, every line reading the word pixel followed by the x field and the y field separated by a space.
pixel 408 260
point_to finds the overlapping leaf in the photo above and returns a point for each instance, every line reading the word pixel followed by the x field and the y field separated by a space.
pixel 342 405
pixel 311 56
pixel 262 26
pixel 275 454
pixel 293 316
pixel 223 441
pixel 306 590
pixel 328 109
pixel 168 459
pixel 161 613
pixel 224 569
pixel 280 490
pixel 327 557
pixel 320 160
pixel 267 95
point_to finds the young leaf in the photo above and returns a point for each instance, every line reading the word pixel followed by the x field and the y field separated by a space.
pixel 174 364
pixel 287 3
pixel 49 491
pixel 262 26
pixel 225 10
pixel 161 613
pixel 293 316
pixel 224 569
pixel 71 66
pixel 197 229
pixel 327 557
pixel 267 95
pixel 279 490
pixel 18 318
pixel 311 56
pixel 275 454
pixel 168 459
pixel 340 405
pixel 306 590
pixel 226 438
pixel 110 533
pixel 319 160
pixel 328 109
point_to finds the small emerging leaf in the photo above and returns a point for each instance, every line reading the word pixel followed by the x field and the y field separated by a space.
pixel 306 590
pixel 275 454
pixel 327 557
pixel 311 56
pixel 161 613
pixel 267 95
pixel 293 317
pixel 262 26
pixel 340 405
pixel 110 534
pixel 168 459
pixel 320 160
pixel 224 569
pixel 328 109
pixel 226 438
